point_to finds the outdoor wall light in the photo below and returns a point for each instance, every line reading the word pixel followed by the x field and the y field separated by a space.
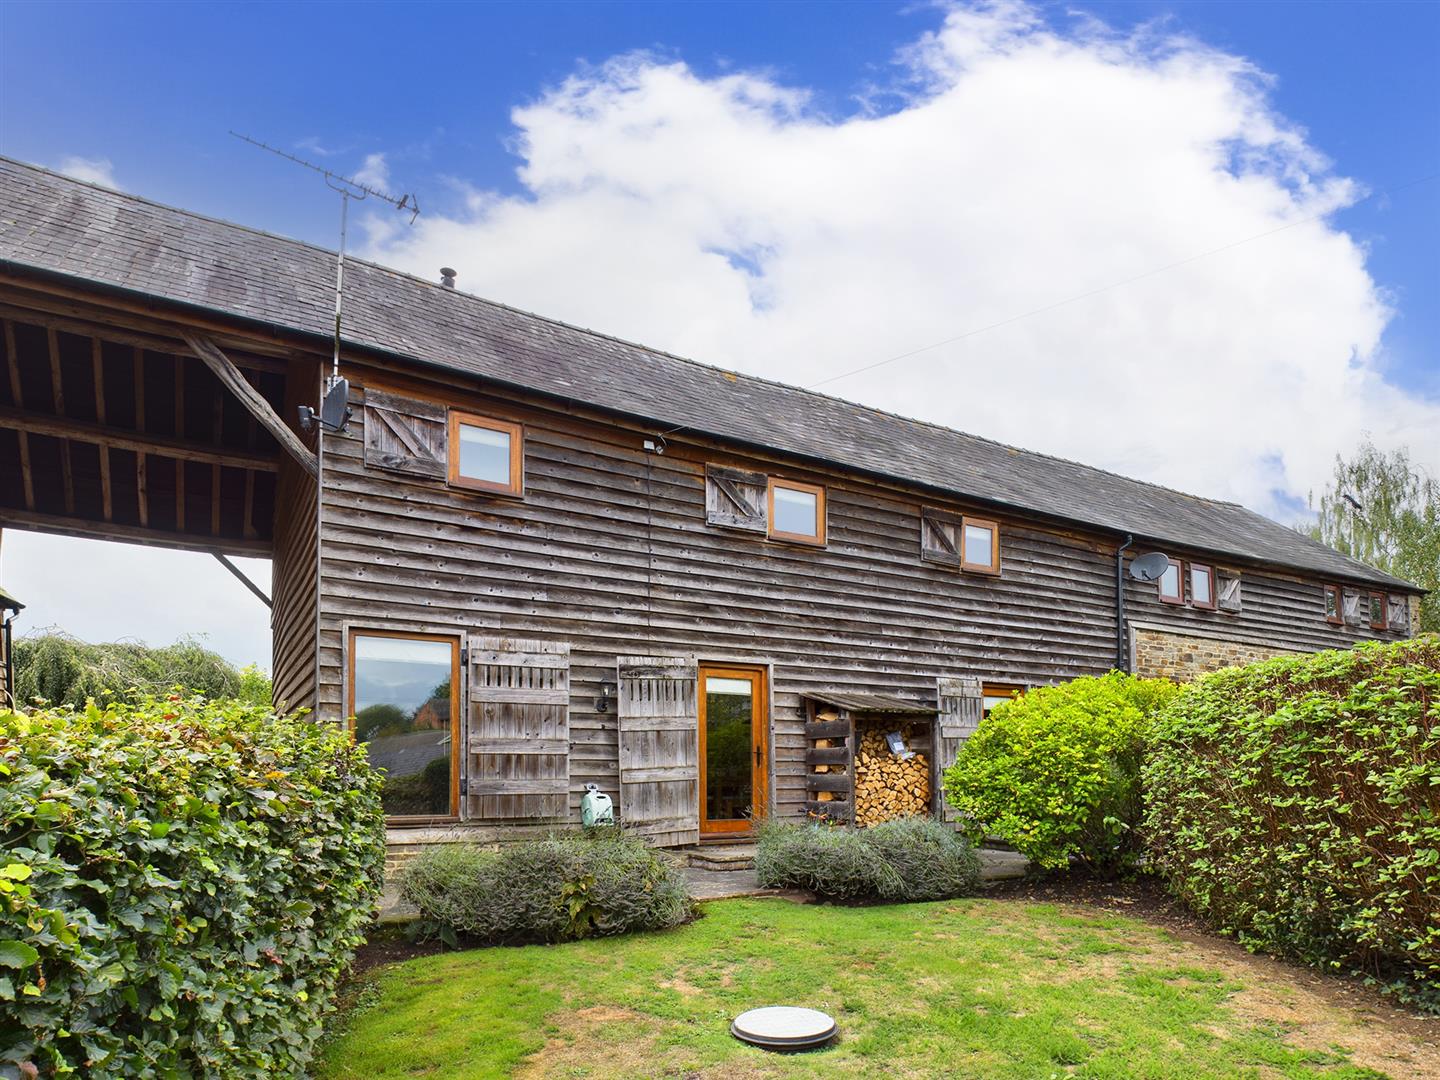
pixel 607 694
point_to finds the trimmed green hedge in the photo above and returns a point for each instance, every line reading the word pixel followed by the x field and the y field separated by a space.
pixel 906 859
pixel 1296 804
pixel 558 889
pixel 182 883
pixel 1056 772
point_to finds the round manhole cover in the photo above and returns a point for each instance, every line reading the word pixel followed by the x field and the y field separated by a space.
pixel 784 1027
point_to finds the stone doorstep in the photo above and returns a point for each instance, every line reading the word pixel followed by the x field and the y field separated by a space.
pixel 728 857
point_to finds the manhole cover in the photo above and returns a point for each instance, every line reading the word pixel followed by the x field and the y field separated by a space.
pixel 784 1027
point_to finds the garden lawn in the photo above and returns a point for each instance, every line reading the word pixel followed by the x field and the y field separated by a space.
pixel 971 988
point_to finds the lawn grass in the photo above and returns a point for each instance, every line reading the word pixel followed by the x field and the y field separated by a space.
pixel 973 988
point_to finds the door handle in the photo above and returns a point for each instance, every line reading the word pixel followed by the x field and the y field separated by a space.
pixel 759 756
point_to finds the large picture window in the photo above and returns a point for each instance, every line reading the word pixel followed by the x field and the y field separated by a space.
pixel 404 700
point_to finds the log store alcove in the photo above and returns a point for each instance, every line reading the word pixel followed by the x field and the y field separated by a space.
pixel 851 775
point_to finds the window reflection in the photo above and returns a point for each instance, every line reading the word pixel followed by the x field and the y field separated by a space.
pixel 729 780
pixel 796 512
pixel 402 708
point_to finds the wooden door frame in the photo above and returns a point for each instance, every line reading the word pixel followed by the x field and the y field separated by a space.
pixel 759 675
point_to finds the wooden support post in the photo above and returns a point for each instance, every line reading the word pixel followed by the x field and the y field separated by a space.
pixel 230 376
pixel 17 399
pixel 107 509
pixel 240 574
pixel 142 497
pixel 58 393
pixel 179 435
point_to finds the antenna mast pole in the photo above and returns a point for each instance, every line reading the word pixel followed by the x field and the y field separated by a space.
pixel 348 189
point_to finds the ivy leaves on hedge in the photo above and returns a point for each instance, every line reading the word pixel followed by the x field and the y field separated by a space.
pixel 182 883
pixel 1296 804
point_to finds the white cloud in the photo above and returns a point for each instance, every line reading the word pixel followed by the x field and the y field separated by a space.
pixel 728 219
pixel 374 172
pixel 92 170
pixel 106 591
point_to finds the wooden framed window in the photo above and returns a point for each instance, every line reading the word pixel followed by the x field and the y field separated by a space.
pixel 404 702
pixel 1202 586
pixel 980 546
pixel 1377 611
pixel 486 454
pixel 1171 584
pixel 1333 606
pixel 797 512
pixel 994 694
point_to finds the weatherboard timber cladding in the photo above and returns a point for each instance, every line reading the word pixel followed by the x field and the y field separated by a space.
pixel 610 551
pixel 294 570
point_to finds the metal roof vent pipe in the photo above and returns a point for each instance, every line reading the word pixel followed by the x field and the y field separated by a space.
pixel 447 277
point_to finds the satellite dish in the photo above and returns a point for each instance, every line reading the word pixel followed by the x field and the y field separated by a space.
pixel 335 408
pixel 1149 567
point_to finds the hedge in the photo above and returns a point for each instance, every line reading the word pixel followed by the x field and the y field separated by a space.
pixel 1296 804
pixel 1056 772
pixel 182 882
pixel 906 859
pixel 558 889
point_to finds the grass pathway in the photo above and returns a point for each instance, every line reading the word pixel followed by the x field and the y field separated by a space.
pixel 972 988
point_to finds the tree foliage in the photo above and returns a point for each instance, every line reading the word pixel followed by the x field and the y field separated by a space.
pixel 62 670
pixel 1056 772
pixel 1398 529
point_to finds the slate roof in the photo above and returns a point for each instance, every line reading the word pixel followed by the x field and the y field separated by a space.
pixel 53 223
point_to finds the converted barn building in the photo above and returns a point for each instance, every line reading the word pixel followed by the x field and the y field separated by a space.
pixel 536 557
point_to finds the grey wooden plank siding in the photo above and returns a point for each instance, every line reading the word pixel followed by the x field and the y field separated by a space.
pixel 610 552
pixel 294 617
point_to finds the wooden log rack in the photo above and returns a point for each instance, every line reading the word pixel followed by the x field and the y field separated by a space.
pixel 831 744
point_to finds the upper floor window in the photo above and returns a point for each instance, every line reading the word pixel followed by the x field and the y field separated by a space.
pixel 1334 605
pixel 1202 585
pixel 1172 585
pixel 797 511
pixel 1377 611
pixel 995 694
pixel 980 546
pixel 486 454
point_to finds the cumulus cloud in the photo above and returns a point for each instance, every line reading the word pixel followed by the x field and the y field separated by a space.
pixel 92 170
pixel 728 218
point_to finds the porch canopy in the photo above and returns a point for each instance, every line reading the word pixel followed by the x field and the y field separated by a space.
pixel 860 703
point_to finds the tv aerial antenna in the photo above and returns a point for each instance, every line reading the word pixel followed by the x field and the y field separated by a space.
pixel 334 409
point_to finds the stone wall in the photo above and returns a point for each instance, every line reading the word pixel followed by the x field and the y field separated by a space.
pixel 1168 655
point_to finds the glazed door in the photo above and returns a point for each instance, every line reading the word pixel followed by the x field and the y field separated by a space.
pixel 733 749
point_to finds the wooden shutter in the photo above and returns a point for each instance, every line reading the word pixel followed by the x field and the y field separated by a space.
pixel 519 730
pixel 1356 608
pixel 1228 592
pixel 658 711
pixel 939 537
pixel 736 499
pixel 404 435
pixel 962 703
pixel 1398 613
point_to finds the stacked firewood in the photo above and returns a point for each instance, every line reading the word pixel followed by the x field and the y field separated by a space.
pixel 888 786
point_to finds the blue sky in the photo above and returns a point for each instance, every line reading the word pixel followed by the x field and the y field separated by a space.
pixel 799 189
pixel 154 87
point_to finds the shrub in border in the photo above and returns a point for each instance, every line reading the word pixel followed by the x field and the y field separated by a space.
pixel 558 889
pixel 182 883
pixel 906 859
pixel 1056 772
pixel 1296 804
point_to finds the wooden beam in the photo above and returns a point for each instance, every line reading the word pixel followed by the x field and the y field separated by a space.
pixel 119 439
pixel 217 420
pixel 240 574
pixel 57 388
pixel 142 496
pixel 107 510
pixel 131 534
pixel 17 399
pixel 259 408
pixel 179 434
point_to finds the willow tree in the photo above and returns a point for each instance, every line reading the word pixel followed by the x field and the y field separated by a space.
pixel 1390 519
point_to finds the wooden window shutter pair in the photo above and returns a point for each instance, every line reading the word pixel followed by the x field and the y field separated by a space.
pixel 404 435
pixel 518 746
pixel 735 499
